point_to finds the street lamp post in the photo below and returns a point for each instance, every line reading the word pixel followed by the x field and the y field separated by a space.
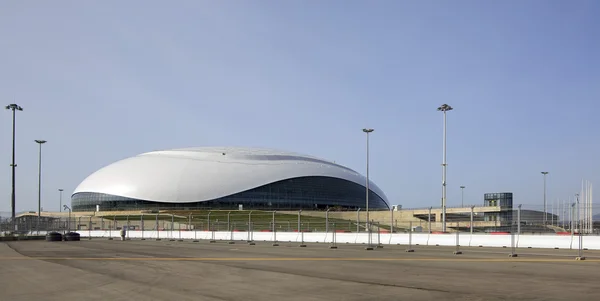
pixel 462 197
pixel 40 142
pixel 545 173
pixel 60 190
pixel 579 229
pixel 367 131
pixel 444 108
pixel 14 108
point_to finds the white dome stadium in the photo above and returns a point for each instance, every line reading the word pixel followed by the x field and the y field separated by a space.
pixel 223 178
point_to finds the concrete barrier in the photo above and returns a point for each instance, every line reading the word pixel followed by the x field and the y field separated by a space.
pixel 423 239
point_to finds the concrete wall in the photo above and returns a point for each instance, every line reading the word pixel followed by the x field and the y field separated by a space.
pixel 465 239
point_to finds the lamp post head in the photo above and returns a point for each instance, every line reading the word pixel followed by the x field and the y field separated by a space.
pixel 445 107
pixel 368 130
pixel 14 107
pixel 545 172
pixel 60 189
pixel 462 187
pixel 41 141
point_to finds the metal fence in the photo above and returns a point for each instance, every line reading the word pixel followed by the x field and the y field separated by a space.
pixel 566 218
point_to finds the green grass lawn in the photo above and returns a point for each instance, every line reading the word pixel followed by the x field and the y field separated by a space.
pixel 240 220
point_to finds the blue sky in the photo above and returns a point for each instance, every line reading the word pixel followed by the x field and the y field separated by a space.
pixel 105 80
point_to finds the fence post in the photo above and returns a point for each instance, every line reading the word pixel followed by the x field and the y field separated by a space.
pixel 109 228
pixel 208 221
pixel 157 229
pixel 275 244
pixel 212 235
pixel 142 225
pixel 358 220
pixel 410 249
pixel 128 228
pixel 580 252
pixel 298 228
pixel 428 221
pixel 579 231
pixel 231 242
pixel 302 245
pixel 179 228
pixel 228 216
pixel 519 219
pixel 457 251
pixel 572 224
pixel 250 230
pixel 252 234
pixel 90 229
pixel 379 245
pixel 211 229
pixel 249 221
pixel 391 221
pixel 195 230
pixel 512 239
pixel 369 246
pixel 327 220
pixel 471 224
pixel 172 227
pixel 333 238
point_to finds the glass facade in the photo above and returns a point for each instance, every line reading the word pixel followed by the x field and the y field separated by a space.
pixel 291 194
pixel 502 199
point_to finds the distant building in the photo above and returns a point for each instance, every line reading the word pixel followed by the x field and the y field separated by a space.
pixel 225 178
pixel 507 217
pixel 502 199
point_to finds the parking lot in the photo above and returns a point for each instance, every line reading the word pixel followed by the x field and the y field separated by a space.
pixel 101 269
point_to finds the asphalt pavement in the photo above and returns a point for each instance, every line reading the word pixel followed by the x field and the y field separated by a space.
pixel 100 269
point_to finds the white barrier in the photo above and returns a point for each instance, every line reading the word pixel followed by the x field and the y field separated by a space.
pixel 465 239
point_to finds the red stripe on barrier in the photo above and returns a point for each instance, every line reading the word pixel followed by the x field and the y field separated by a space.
pixel 499 233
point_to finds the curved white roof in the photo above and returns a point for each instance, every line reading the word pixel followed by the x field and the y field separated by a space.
pixel 207 173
